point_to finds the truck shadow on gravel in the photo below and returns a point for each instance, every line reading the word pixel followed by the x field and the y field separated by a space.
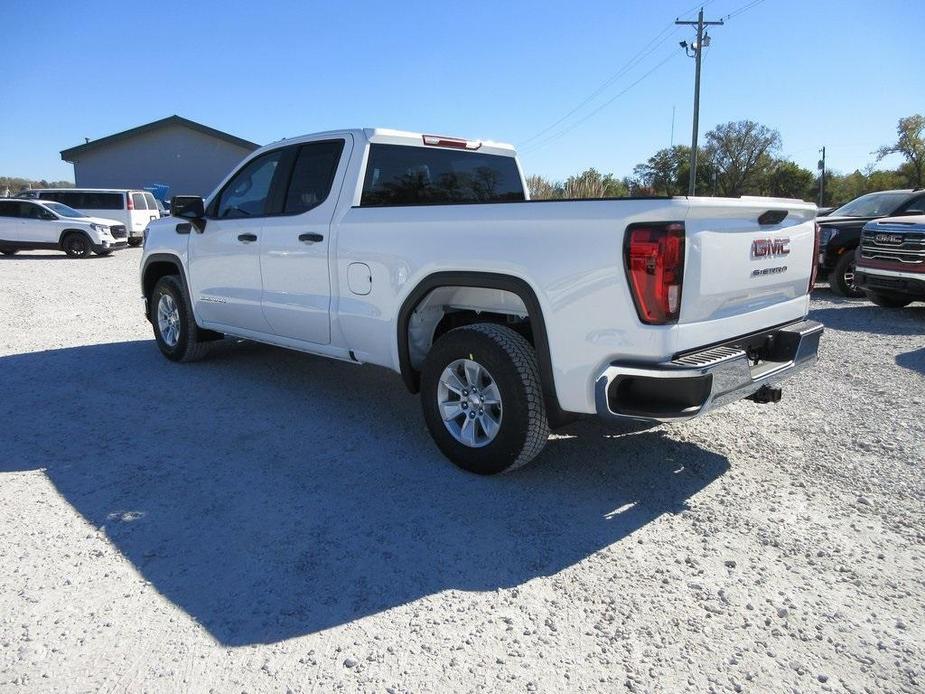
pixel 914 361
pixel 271 494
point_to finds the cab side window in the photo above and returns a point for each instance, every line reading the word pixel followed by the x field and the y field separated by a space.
pixel 247 193
pixel 9 208
pixel 312 175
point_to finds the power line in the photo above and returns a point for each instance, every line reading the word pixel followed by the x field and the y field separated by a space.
pixel 744 8
pixel 568 129
pixel 645 52
pixel 663 35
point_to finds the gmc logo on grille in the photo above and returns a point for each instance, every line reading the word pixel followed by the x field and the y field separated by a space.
pixel 888 238
pixel 768 248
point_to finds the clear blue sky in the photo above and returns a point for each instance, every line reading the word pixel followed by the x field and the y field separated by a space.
pixel 832 72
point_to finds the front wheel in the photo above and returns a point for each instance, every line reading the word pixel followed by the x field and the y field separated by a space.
pixel 888 300
pixel 841 278
pixel 483 399
pixel 175 329
pixel 76 245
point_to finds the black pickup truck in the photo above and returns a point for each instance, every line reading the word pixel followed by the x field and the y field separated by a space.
pixel 840 232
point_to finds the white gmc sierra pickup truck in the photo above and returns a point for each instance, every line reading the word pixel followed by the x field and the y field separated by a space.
pixel 424 254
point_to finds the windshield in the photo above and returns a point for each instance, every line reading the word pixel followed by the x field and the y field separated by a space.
pixel 871 205
pixel 63 210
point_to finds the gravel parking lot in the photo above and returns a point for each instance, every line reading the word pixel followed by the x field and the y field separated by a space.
pixel 271 521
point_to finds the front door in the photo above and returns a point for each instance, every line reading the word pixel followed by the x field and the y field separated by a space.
pixel 224 259
pixel 38 224
pixel 295 243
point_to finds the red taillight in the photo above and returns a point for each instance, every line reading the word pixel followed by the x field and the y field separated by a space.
pixel 128 199
pixel 654 256
pixel 815 270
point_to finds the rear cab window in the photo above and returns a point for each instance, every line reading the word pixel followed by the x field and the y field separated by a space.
pixel 409 175
pixel 152 203
pixel 138 201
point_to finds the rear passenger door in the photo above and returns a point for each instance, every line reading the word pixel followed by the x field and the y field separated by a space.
pixel 10 225
pixel 295 243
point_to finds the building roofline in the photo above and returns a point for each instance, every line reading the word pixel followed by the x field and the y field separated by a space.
pixel 72 153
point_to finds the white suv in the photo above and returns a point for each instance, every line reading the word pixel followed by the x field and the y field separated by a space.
pixel 36 224
pixel 133 208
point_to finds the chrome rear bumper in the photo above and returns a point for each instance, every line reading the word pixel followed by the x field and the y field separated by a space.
pixel 695 383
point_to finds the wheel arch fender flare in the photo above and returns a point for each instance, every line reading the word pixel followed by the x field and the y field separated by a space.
pixel 66 232
pixel 161 258
pixel 485 280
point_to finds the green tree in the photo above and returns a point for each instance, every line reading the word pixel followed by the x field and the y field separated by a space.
pixel 742 153
pixel 911 145
pixel 665 171
pixel 786 179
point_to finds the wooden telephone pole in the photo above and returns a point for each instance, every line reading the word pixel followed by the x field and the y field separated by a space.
pixel 697 54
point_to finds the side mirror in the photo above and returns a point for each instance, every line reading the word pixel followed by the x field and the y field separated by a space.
pixel 46 215
pixel 191 207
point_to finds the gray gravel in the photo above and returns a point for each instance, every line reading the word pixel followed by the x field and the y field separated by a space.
pixel 270 521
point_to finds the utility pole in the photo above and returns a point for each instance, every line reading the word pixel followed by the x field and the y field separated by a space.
pixel 821 167
pixel 697 48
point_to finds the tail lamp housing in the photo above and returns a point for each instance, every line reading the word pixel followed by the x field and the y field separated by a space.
pixel 815 268
pixel 653 255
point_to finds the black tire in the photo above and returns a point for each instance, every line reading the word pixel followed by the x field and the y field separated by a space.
pixel 888 300
pixel 76 245
pixel 511 361
pixel 841 279
pixel 135 243
pixel 9 251
pixel 187 346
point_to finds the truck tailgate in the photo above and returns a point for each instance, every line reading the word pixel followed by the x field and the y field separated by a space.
pixel 737 265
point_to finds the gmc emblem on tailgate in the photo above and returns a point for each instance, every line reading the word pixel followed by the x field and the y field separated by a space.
pixel 769 248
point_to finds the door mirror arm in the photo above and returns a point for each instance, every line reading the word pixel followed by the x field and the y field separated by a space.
pixel 191 208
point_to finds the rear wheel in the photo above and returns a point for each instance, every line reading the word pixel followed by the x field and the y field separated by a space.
pixel 76 245
pixel 841 279
pixel 175 330
pixel 888 300
pixel 483 400
pixel 135 242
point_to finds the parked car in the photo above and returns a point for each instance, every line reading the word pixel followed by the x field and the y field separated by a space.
pixel 133 208
pixel 423 254
pixel 162 208
pixel 891 261
pixel 41 224
pixel 841 232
